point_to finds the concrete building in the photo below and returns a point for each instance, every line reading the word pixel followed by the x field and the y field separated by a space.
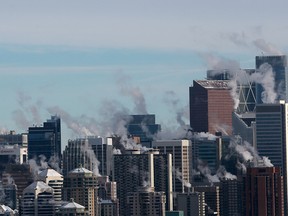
pixel 278 64
pixel 37 200
pixel 45 140
pixel 191 203
pixel 133 170
pixel 181 154
pixel 54 180
pixel 81 185
pixel 7 211
pixel 263 192
pixel 211 106
pixel 146 202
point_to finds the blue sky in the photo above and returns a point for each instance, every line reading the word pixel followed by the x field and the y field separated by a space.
pixel 72 54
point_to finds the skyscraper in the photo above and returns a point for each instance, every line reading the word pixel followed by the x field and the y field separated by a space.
pixel 230 197
pixel 263 192
pixel 37 199
pixel 278 64
pixel 181 155
pixel 45 140
pixel 81 185
pixel 211 106
pixel 271 136
pixel 133 170
pixel 103 152
pixel 146 202
pixel 191 203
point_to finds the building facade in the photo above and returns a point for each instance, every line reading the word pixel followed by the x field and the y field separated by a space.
pixel 211 106
pixel 263 192
pixel 45 140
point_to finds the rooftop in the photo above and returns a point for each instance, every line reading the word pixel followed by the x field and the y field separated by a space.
pixel 214 84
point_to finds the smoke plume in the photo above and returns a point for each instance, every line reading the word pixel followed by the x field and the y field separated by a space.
pixel 266 47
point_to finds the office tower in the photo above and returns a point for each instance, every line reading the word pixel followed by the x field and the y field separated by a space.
pixel 132 170
pixel 271 138
pixel 263 192
pixel 81 185
pixel 72 208
pixel 212 198
pixel 230 197
pixel 181 154
pixel 279 67
pixel 37 199
pixel 244 125
pixel 207 151
pixel 54 180
pixel 103 152
pixel 107 194
pixel 144 127
pixel 146 202
pixel 191 203
pixel 79 153
pixel 246 88
pixel 45 140
pixel 211 106
pixel 12 138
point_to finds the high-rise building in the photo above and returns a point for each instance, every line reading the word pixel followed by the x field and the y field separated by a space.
pixel 271 138
pixel 78 153
pixel 37 199
pixel 278 64
pixel 54 180
pixel 144 127
pixel 211 106
pixel 191 203
pixel 107 194
pixel 181 154
pixel 133 170
pixel 146 202
pixel 81 185
pixel 263 192
pixel 230 197
pixel 103 152
pixel 45 140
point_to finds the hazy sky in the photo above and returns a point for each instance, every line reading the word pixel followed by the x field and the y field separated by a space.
pixel 82 56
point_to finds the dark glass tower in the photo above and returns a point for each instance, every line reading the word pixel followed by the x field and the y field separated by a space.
pixel 45 140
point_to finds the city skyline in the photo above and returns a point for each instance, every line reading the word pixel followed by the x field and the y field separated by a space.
pixel 79 62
